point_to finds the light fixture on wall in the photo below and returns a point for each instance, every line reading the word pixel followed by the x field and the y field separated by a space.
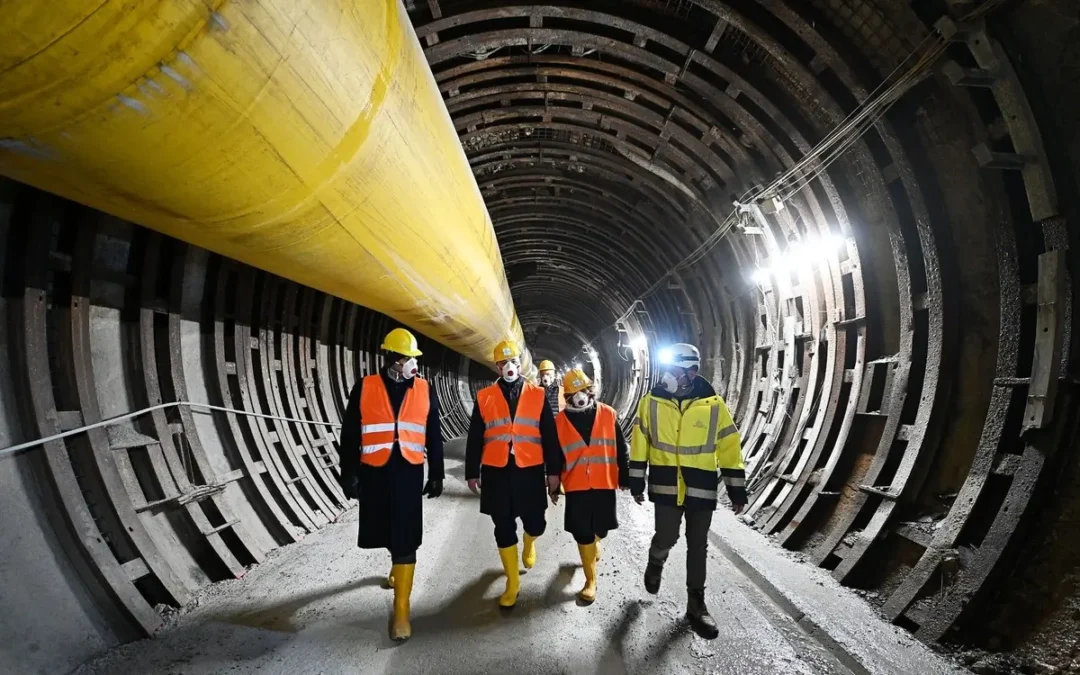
pixel 798 254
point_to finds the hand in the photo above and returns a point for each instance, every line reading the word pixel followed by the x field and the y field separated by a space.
pixel 640 499
pixel 553 488
pixel 432 489
pixel 624 488
pixel 474 485
pixel 738 508
pixel 350 485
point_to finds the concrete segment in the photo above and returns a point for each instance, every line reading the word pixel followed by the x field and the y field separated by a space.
pixel 318 608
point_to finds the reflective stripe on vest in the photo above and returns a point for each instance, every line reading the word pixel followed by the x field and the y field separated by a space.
pixel 522 431
pixel 379 431
pixel 708 447
pixel 591 466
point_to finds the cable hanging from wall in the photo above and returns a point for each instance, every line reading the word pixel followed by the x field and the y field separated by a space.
pixel 815 162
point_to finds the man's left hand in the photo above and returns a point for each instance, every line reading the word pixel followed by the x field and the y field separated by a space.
pixel 433 489
pixel 553 488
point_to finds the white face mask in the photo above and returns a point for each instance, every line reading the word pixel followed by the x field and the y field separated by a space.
pixel 548 379
pixel 510 372
pixel 580 401
pixel 670 382
pixel 409 369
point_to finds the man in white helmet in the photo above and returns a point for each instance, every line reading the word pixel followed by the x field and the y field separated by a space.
pixel 686 442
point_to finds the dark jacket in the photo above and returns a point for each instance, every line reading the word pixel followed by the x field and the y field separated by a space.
pixel 510 491
pixel 349 447
pixel 390 496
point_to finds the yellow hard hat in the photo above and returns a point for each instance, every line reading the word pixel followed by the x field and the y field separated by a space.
pixel 574 381
pixel 546 365
pixel 506 350
pixel 401 341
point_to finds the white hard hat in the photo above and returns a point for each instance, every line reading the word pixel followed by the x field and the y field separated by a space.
pixel 685 355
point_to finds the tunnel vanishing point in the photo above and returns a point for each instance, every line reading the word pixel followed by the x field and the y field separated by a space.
pixel 862 211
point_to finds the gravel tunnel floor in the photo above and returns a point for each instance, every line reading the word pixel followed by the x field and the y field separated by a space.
pixel 319 608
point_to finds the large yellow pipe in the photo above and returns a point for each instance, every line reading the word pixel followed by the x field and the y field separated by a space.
pixel 306 138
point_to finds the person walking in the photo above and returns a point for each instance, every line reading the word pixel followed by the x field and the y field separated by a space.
pixel 391 424
pixel 594 466
pixel 553 389
pixel 512 445
pixel 682 436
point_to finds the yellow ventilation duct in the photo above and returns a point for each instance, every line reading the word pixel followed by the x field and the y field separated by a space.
pixel 306 138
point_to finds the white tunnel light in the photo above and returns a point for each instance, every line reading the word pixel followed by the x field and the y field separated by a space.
pixel 639 343
pixel 666 356
pixel 798 254
pixel 577 366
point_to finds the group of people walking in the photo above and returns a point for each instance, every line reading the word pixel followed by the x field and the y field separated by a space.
pixel 531 443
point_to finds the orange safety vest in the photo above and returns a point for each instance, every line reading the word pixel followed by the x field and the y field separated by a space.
pixel 379 431
pixel 594 466
pixel 523 431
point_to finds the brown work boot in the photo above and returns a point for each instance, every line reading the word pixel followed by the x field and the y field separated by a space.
pixel 698 615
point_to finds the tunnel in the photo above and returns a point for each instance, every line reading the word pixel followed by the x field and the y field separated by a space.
pixel 858 211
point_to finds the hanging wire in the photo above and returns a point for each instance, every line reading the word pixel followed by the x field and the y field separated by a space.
pixel 837 142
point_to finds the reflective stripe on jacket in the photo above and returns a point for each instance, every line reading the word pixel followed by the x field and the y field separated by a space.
pixel 523 431
pixel 594 466
pixel 379 431
pixel 683 445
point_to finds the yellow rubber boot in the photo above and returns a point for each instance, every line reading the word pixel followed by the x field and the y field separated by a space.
pixel 528 551
pixel 598 551
pixel 588 563
pixel 402 575
pixel 513 584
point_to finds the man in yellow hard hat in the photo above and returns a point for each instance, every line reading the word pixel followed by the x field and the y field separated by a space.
pixel 391 424
pixel 686 441
pixel 553 389
pixel 511 447
pixel 594 466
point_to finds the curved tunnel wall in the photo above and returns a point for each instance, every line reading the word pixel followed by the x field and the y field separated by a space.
pixel 904 395
pixel 103 318
pixel 907 400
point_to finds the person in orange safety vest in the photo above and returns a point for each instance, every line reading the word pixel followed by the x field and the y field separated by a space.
pixel 595 464
pixel 512 445
pixel 391 425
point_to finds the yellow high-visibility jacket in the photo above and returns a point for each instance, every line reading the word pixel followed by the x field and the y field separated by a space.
pixel 686 447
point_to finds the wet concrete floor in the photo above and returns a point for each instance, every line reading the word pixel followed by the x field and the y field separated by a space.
pixel 318 608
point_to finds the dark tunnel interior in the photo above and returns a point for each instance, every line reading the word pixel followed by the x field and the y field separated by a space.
pixel 892 330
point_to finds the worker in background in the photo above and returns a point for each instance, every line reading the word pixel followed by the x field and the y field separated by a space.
pixel 594 465
pixel 553 389
pixel 391 424
pixel 682 437
pixel 511 447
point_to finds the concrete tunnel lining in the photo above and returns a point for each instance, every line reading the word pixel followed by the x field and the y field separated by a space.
pixel 906 403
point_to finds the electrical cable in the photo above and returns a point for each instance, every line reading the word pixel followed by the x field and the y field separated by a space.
pixel 835 144
pixel 15 449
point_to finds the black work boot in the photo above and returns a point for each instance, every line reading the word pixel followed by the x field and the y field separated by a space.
pixel 698 615
pixel 653 572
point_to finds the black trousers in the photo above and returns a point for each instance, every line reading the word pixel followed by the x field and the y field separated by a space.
pixel 506 527
pixel 668 523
